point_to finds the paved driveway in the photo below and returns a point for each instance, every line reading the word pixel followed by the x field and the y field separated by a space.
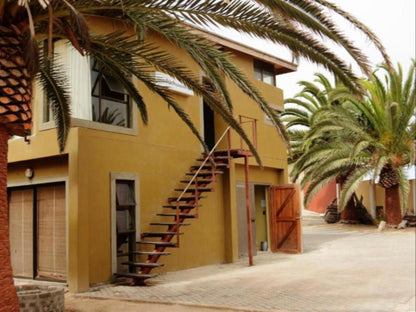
pixel 343 268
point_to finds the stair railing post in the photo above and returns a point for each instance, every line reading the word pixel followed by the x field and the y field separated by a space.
pixel 213 173
pixel 196 197
pixel 177 223
pixel 240 121
pixel 248 203
pixel 229 147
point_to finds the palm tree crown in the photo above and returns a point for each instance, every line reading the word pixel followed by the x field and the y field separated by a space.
pixel 373 136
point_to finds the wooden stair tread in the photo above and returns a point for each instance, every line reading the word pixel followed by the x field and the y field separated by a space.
pixel 159 234
pixel 143 264
pixel 185 198
pixel 181 215
pixel 182 206
pixel 234 153
pixel 136 275
pixel 209 167
pixel 205 174
pixel 200 181
pixel 169 223
pixel 152 253
pixel 215 157
pixel 192 190
pixel 158 243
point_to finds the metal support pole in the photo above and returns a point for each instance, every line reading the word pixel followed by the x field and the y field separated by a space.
pixel 248 203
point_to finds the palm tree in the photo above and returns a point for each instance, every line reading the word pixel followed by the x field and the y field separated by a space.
pixel 302 26
pixel 301 114
pixel 373 135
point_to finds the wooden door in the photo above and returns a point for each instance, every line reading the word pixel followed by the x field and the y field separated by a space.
pixel 285 219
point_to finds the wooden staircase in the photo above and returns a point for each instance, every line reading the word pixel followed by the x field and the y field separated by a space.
pixel 177 212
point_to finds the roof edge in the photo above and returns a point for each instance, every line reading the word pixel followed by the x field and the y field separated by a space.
pixel 282 66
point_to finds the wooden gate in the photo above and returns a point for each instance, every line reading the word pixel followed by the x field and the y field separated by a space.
pixel 285 219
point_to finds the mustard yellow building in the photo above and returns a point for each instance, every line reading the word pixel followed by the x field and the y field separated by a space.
pixel 73 214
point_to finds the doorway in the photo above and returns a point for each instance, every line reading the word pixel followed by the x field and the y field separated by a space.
pixel 259 217
pixel 38 244
pixel 209 126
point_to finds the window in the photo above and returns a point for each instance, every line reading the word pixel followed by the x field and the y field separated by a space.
pixel 98 99
pixel 125 220
pixel 110 101
pixel 265 72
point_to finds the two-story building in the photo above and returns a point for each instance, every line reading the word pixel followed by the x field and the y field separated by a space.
pixel 77 216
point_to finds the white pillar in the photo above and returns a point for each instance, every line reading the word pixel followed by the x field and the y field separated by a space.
pixel 372 199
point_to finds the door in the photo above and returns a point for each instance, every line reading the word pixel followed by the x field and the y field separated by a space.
pixel 38 231
pixel 285 219
pixel 242 220
pixel 51 232
pixel 21 232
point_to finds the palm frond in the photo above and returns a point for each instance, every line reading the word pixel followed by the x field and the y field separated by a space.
pixel 55 84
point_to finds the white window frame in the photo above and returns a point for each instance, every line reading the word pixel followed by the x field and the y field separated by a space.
pixel 84 123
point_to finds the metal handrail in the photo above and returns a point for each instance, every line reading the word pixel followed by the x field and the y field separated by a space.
pixel 203 163
pixel 194 177
pixel 253 122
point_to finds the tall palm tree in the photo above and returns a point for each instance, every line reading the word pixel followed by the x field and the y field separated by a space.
pixel 302 26
pixel 373 135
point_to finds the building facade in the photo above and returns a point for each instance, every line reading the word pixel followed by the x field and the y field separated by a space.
pixel 71 213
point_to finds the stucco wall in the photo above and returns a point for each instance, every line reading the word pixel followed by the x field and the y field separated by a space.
pixel 160 154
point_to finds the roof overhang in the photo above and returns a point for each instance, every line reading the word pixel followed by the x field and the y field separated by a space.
pixel 281 66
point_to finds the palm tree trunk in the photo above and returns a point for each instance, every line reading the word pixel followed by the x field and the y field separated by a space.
pixel 392 202
pixel 349 213
pixel 8 297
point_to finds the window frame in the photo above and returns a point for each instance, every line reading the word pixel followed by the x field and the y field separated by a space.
pixel 261 67
pixel 42 125
pixel 100 82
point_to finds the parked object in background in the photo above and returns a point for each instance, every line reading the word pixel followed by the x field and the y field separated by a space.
pixel 411 220
pixel 331 214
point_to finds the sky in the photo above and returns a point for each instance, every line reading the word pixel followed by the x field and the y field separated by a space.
pixel 392 21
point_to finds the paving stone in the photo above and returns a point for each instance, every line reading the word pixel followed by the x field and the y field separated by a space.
pixel 344 268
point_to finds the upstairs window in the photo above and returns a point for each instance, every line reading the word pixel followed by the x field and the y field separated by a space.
pixel 265 72
pixel 98 99
pixel 110 101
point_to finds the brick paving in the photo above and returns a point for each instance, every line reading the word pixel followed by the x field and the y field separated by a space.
pixel 343 268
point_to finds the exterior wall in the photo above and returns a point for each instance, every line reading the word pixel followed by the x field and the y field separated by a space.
pixel 364 190
pixel 160 154
pixel 323 198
